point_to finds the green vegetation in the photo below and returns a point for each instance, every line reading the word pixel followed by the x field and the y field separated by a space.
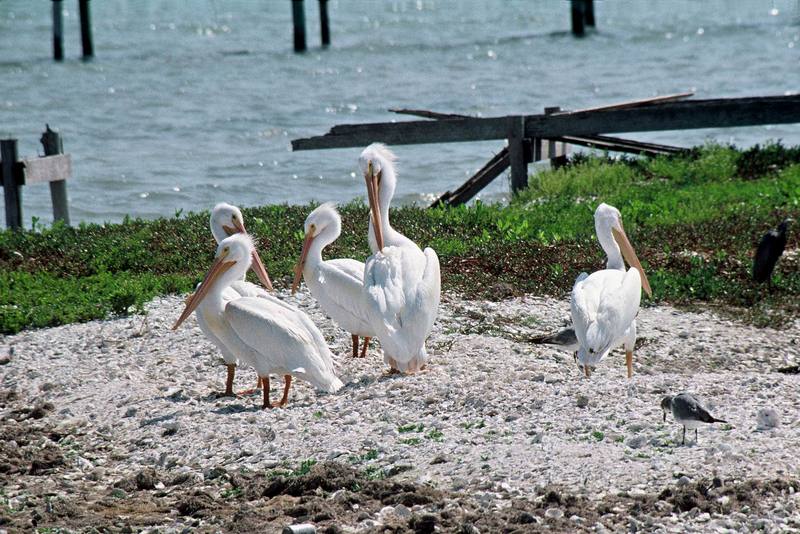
pixel 694 220
pixel 411 427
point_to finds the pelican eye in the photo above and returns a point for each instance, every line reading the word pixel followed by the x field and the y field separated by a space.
pixel 591 351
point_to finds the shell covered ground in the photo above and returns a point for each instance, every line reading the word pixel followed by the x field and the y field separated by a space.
pixel 117 426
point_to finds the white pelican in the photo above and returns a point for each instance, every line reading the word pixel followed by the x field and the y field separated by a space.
pixel 225 221
pixel 401 283
pixel 269 335
pixel 338 285
pixel 605 303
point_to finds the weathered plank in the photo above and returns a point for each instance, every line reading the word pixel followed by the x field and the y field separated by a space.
pixel 631 103
pixel 516 153
pixel 674 115
pixel 12 189
pixel 616 144
pixel 481 179
pixel 51 142
pixel 47 169
pixel 680 115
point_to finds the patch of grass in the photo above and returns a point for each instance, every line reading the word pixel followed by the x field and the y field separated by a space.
pixel 473 424
pixel 598 435
pixel 318 415
pixel 371 454
pixel 231 493
pixel 410 427
pixel 693 218
pixel 435 435
pixel 411 441
pixel 373 472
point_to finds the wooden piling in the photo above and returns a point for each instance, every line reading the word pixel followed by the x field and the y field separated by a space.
pixel 588 13
pixel 324 23
pixel 51 141
pixel 578 17
pixel 58 30
pixel 12 189
pixel 86 29
pixel 516 153
pixel 299 21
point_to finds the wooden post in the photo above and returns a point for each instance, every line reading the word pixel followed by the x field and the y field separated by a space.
pixel 588 14
pixel 516 153
pixel 58 30
pixel 11 187
pixel 86 29
pixel 51 141
pixel 578 17
pixel 324 23
pixel 299 21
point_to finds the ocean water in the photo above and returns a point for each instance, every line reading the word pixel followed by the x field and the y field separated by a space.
pixel 193 102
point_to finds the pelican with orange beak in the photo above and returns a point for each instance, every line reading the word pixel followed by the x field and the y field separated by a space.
pixel 268 335
pixel 604 304
pixel 226 220
pixel 402 284
pixel 338 285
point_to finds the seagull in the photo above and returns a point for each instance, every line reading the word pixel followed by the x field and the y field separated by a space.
pixel 769 252
pixel 687 411
pixel 269 335
pixel 605 304
pixel 564 339
pixel 338 285
pixel 402 284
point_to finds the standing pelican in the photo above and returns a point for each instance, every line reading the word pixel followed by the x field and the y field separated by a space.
pixel 227 220
pixel 401 282
pixel 605 303
pixel 338 285
pixel 271 336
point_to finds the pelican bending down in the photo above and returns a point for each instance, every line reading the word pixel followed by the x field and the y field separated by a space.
pixel 401 282
pixel 227 220
pixel 338 285
pixel 605 303
pixel 270 336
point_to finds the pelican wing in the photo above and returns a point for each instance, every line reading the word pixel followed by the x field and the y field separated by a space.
pixel 282 341
pixel 339 289
pixel 619 303
pixel 248 289
pixel 403 289
pixel 583 304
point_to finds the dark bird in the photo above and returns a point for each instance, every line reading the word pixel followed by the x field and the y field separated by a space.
pixel 565 340
pixel 769 251
pixel 687 411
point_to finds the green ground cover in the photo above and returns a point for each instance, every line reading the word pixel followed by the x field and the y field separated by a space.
pixel 694 220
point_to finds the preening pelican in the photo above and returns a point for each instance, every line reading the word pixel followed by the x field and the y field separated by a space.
pixel 270 336
pixel 401 282
pixel 338 285
pixel 605 303
pixel 227 220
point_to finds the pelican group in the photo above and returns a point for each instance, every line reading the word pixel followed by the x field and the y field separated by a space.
pixel 270 336
pixel 604 304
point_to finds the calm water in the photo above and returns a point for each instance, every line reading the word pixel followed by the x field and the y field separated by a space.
pixel 190 103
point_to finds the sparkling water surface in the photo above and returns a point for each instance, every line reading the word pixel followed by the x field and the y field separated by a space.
pixel 193 102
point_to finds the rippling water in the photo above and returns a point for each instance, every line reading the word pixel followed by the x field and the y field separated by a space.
pixel 190 103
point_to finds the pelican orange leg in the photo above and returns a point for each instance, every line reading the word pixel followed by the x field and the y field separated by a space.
pixel 287 383
pixel 265 382
pixel 355 345
pixel 365 346
pixel 229 381
pixel 629 362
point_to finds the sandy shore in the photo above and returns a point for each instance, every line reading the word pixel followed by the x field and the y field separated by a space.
pixel 494 424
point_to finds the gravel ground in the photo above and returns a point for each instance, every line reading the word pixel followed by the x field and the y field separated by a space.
pixel 117 423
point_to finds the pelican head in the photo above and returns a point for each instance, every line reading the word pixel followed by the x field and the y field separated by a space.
pixel 377 164
pixel 612 237
pixel 226 220
pixel 666 406
pixel 232 260
pixel 323 220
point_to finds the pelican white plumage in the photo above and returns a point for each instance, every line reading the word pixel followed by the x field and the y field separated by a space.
pixel 267 334
pixel 338 285
pixel 401 282
pixel 227 220
pixel 604 304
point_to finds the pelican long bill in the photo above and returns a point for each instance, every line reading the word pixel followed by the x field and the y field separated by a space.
pixel 298 269
pixel 373 184
pixel 257 265
pixel 630 256
pixel 217 268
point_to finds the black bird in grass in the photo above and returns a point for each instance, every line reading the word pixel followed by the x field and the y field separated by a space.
pixel 688 411
pixel 769 251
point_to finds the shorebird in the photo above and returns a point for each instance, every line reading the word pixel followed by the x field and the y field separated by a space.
pixel 267 334
pixel 338 285
pixel 227 220
pixel 604 304
pixel 769 252
pixel 401 282
pixel 687 411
